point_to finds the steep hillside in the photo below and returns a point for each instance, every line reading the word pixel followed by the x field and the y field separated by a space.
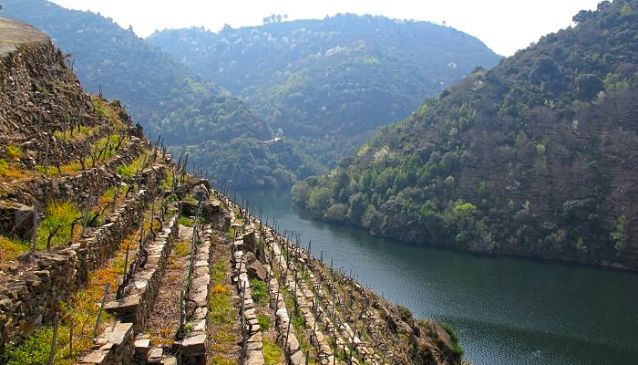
pixel 535 157
pixel 112 254
pixel 162 95
pixel 330 82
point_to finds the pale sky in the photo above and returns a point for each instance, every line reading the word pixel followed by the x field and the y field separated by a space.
pixel 504 25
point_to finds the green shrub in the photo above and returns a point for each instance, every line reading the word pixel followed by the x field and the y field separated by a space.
pixel 185 221
pixel 13 152
pixel 264 321
pixel 125 171
pixel 456 345
pixel 259 290
pixel 60 214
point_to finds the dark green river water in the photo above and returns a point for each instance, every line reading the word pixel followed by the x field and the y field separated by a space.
pixel 506 310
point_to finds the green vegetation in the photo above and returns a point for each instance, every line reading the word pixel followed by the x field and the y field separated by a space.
pixel 185 221
pixel 223 315
pixel 35 350
pixel 231 233
pixel 456 345
pixel 81 133
pixel 297 322
pixel 10 248
pixel 221 304
pixel 3 167
pixel 619 233
pixel 182 248
pixel 58 218
pixel 80 312
pixel 264 321
pixel 259 290
pixel 129 170
pixel 510 160
pixel 273 355
pixel 326 82
pixel 13 152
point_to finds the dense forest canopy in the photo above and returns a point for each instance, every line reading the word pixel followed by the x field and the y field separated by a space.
pixel 534 157
pixel 329 83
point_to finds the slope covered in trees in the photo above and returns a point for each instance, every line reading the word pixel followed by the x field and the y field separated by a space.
pixel 534 157
pixel 163 96
pixel 329 83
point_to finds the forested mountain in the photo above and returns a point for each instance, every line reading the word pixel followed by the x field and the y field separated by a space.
pixel 329 83
pixel 165 98
pixel 537 156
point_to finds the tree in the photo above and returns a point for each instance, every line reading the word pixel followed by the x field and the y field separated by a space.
pixel 589 85
pixel 583 16
pixel 336 213
pixel 619 233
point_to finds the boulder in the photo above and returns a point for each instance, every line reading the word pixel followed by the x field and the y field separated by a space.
pixel 201 193
pixel 256 270
pixel 16 220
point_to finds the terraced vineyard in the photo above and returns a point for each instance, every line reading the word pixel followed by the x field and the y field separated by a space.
pixel 112 253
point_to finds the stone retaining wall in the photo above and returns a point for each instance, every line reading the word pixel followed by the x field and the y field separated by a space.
pixel 138 302
pixel 30 294
pixel 76 188
pixel 193 347
pixel 253 346
pixel 114 347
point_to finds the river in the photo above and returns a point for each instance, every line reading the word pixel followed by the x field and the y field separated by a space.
pixel 506 310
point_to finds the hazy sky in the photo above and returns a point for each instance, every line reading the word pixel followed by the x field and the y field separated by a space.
pixel 504 25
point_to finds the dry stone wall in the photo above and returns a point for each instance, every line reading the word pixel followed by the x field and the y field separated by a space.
pixel 76 188
pixel 140 294
pixel 30 295
pixel 193 347
pixel 114 347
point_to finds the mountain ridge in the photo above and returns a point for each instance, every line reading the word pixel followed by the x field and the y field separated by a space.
pixel 329 83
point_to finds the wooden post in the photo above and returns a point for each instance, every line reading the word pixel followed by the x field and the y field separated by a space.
pixel 354 332
pixel 99 313
pixel 287 332
pixel 34 236
pixel 54 340
pixel 294 292
pixel 120 290
pixel 182 314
